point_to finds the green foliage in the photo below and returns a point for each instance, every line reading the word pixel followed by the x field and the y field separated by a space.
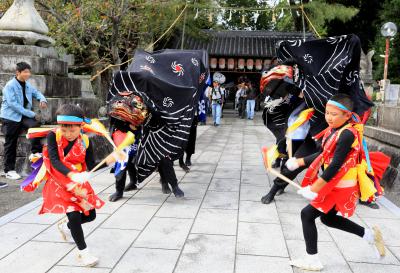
pixel 245 19
pixel 160 16
pixel 321 13
pixel 106 32
pixel 363 24
pixel 389 13
pixel 283 16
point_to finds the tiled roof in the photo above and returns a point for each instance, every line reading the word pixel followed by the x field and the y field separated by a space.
pixel 240 43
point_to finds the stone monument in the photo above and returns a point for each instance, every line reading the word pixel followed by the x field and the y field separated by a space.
pixel 366 71
pixel 23 38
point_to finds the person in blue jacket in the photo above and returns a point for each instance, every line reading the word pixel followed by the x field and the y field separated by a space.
pixel 16 115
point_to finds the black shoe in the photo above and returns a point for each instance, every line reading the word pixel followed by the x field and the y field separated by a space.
pixel 371 205
pixel 3 185
pixel 269 197
pixel 131 187
pixel 188 162
pixel 115 196
pixel 178 192
pixel 165 188
pixel 280 192
pixel 183 166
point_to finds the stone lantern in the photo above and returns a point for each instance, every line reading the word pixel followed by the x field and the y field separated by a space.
pixel 23 38
pixel 22 24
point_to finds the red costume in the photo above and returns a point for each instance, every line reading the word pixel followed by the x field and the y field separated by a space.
pixel 342 191
pixel 61 194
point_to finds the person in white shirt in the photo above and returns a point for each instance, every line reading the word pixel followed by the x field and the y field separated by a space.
pixel 216 96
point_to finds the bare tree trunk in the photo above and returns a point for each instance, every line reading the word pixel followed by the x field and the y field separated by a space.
pixel 114 44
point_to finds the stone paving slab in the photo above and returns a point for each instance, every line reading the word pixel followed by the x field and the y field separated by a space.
pixel 117 243
pixel 221 200
pixel 256 212
pixel 13 235
pixel 216 221
pixel 182 208
pixel 262 264
pixel 219 226
pixel 261 239
pixel 207 254
pixel 147 260
pixel 165 233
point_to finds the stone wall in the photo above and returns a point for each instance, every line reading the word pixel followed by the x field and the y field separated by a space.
pixel 388 142
pixel 389 117
pixel 101 149
pixel 50 76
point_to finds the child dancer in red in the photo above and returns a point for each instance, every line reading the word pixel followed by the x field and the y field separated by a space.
pixel 67 157
pixel 337 189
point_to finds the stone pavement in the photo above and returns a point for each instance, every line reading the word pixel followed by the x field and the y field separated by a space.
pixel 220 226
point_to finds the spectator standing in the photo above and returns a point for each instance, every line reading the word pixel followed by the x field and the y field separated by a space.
pixel 251 96
pixel 216 97
pixel 17 114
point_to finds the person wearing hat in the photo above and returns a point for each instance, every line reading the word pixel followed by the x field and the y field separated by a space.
pixel 216 96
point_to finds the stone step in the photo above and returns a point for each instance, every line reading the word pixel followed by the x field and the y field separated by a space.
pixel 88 95
pixel 388 142
pixel 90 107
pixel 388 117
pixel 86 85
pixel 383 135
pixel 41 66
pixel 32 51
pixel 50 86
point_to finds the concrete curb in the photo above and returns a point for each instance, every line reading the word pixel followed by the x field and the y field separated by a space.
pixel 389 205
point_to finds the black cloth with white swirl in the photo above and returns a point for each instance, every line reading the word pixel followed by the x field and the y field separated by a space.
pixel 169 82
pixel 327 67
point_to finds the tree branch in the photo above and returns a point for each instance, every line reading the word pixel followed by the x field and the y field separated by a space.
pixel 50 10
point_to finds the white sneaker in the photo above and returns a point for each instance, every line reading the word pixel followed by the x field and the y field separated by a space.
pixel 64 230
pixel 375 239
pixel 12 175
pixel 86 258
pixel 309 262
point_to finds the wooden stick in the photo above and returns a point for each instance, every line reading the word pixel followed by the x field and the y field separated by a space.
pixel 284 178
pixel 289 145
pixel 268 166
pixel 110 140
pixel 99 165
